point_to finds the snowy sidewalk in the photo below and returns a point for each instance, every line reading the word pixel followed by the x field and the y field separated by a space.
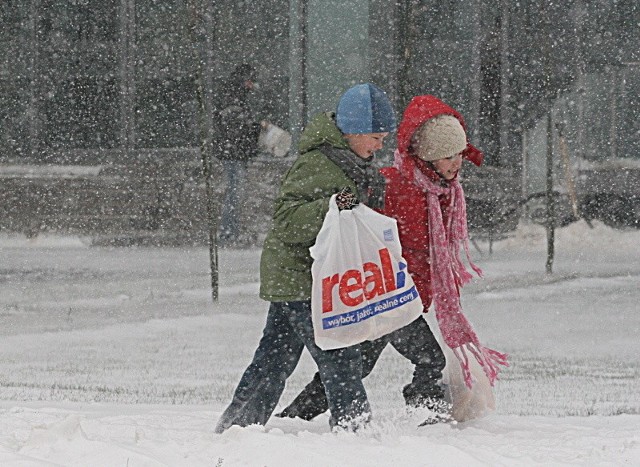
pixel 117 357
pixel 119 435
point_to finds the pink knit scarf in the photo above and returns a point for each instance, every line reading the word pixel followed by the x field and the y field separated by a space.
pixel 448 272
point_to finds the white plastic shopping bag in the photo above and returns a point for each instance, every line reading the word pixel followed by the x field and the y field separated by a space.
pixel 361 287
pixel 467 404
pixel 274 140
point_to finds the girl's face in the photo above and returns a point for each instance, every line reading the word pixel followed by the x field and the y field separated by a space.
pixel 448 167
pixel 364 145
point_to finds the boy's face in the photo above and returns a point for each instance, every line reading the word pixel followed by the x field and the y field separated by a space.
pixel 364 145
pixel 449 166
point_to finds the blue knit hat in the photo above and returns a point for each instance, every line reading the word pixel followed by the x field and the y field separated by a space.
pixel 365 108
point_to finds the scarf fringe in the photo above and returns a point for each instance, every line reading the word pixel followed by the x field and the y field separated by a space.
pixel 464 276
pixel 488 359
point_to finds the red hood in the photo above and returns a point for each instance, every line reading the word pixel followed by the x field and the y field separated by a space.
pixel 423 108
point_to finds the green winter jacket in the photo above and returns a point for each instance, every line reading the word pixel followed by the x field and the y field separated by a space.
pixel 303 202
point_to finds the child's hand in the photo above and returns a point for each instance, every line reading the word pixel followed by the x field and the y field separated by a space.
pixel 346 199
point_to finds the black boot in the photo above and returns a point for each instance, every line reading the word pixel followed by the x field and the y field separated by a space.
pixel 439 412
pixel 310 403
pixel 421 394
pixel 429 400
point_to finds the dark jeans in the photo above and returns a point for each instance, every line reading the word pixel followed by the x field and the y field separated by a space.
pixel 415 341
pixel 236 174
pixel 288 330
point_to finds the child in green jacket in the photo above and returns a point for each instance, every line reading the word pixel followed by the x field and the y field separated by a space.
pixel 336 154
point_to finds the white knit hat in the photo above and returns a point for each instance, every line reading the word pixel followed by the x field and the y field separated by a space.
pixel 439 138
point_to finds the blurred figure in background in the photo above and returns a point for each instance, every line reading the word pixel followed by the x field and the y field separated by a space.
pixel 237 138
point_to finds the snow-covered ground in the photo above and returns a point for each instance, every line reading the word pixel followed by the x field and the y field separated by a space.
pixel 118 357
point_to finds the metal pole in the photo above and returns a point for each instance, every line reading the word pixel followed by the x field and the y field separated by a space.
pixel 550 198
pixel 297 69
pixel 505 155
pixel 613 129
pixel 404 51
pixel 202 40
pixel 550 224
pixel 525 171
pixel 127 55
pixel 475 72
pixel 33 72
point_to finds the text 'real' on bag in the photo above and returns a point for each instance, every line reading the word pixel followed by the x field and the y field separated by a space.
pixel 361 287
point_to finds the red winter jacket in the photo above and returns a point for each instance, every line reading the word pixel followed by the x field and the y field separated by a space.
pixel 407 203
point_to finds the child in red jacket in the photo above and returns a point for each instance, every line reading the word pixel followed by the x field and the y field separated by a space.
pixel 425 197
